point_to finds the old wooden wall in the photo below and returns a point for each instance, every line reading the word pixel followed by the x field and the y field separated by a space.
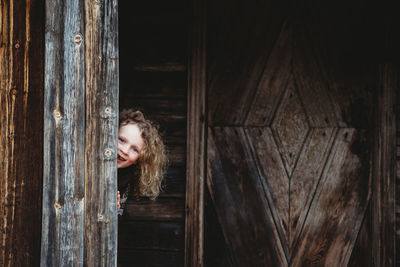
pixel 299 161
pixel 21 130
pixel 80 134
pixel 397 193
pixel 153 41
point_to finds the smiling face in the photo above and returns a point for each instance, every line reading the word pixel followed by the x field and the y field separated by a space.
pixel 130 144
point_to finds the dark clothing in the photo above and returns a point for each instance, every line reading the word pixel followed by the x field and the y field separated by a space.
pixel 124 183
pixel 124 178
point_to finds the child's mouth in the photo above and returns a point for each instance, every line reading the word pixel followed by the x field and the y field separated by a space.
pixel 121 158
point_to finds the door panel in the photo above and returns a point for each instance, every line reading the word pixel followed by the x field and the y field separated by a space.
pixel 241 205
pixel 289 139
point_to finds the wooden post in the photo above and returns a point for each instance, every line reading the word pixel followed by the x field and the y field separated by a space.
pixel 21 131
pixel 101 132
pixel 64 132
pixel 81 124
pixel 196 136
pixel 384 214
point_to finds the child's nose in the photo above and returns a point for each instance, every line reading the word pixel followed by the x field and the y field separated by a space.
pixel 124 148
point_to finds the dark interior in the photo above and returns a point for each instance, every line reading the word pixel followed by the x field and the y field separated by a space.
pixel 153 78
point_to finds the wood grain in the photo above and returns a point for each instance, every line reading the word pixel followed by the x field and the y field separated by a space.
pixel 164 209
pixel 273 177
pixel 101 131
pixel 239 199
pixel 384 223
pixel 330 67
pixel 21 131
pixel 216 253
pixel 196 136
pixel 290 127
pixel 64 135
pixel 339 205
pixel 273 81
pixel 309 80
pixel 239 46
pixel 306 177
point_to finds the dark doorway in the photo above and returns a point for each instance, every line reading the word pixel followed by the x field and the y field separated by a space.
pixel 153 79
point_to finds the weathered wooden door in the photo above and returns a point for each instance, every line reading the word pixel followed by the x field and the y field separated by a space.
pixel 290 139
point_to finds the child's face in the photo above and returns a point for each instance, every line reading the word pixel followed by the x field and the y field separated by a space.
pixel 130 144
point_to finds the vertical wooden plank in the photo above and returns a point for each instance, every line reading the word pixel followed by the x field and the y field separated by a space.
pixel 64 127
pixel 339 203
pixel 21 131
pixel 384 214
pixel 101 38
pixel 196 124
pixel 240 199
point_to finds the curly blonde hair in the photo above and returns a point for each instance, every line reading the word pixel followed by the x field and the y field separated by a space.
pixel 151 165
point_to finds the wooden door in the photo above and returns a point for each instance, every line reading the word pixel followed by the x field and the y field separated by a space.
pixel 289 147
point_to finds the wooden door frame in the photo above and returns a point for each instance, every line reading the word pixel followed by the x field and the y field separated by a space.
pixel 384 169
pixel 196 135
pixel 384 152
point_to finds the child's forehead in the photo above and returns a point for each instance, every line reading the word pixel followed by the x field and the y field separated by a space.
pixel 129 127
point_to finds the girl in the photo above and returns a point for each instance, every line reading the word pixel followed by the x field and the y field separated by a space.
pixel 141 157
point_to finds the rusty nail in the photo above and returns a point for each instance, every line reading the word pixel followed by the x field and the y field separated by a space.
pixel 17 45
pixel 14 92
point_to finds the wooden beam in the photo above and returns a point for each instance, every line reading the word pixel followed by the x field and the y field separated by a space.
pixel 81 125
pixel 196 136
pixel 64 132
pixel 21 131
pixel 384 214
pixel 101 43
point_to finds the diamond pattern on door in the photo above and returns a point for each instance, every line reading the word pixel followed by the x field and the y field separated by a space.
pixel 290 127
pixel 299 159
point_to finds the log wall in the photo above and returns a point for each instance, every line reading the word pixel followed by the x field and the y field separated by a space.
pixel 21 130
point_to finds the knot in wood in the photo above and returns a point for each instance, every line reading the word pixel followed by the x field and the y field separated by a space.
pixel 107 113
pixel 108 153
pixel 14 91
pixel 78 39
pixel 57 114
pixel 17 45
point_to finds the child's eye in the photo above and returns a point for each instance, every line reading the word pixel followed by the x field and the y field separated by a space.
pixel 134 149
pixel 121 140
